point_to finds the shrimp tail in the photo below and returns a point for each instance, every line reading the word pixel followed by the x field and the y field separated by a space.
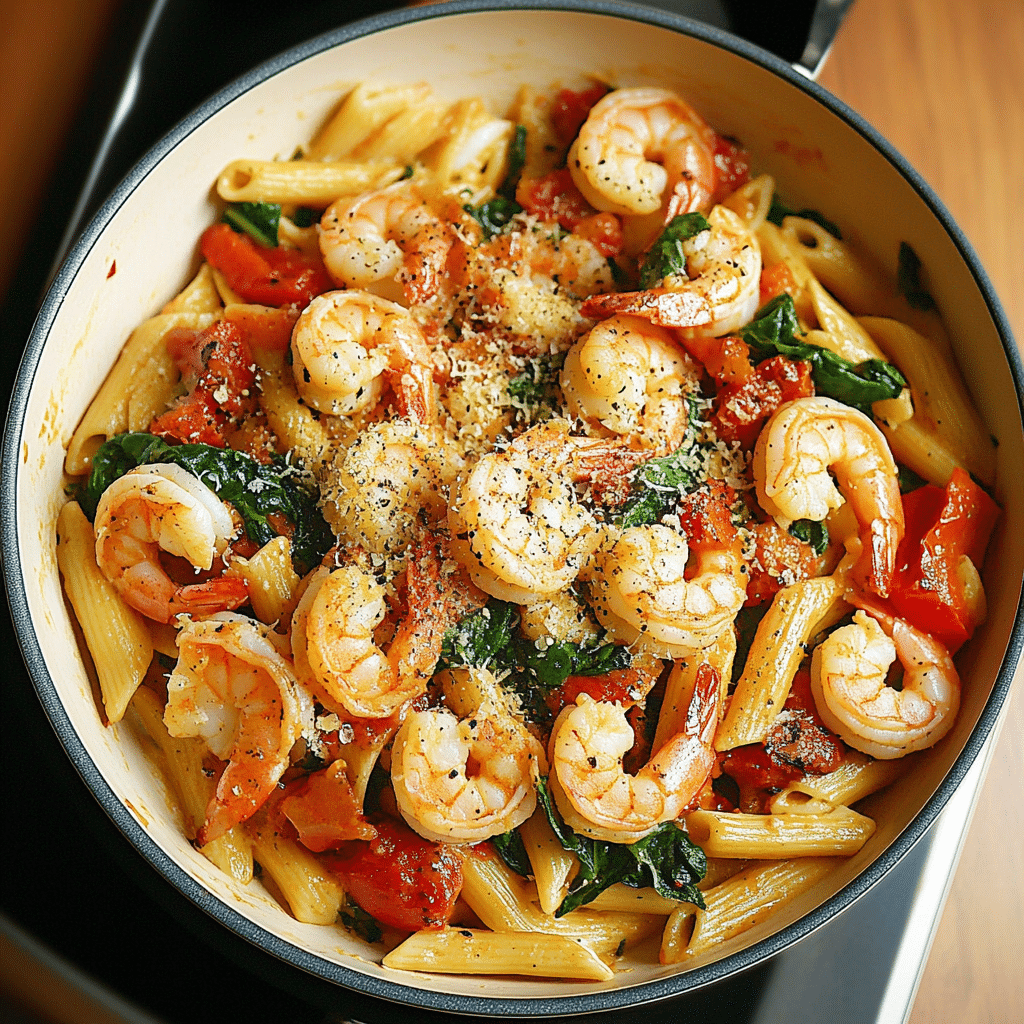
pixel 224 594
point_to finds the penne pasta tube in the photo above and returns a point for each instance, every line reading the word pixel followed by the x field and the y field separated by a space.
pixel 502 902
pixel 472 951
pixel 857 777
pixel 305 182
pixel 362 113
pixel 753 200
pixel 183 759
pixel 272 582
pixel 553 865
pixel 948 431
pixel 837 833
pixel 839 330
pixel 682 679
pixel 116 635
pixel 797 612
pixel 622 897
pixel 198 296
pixel 739 903
pixel 313 894
pixel 141 383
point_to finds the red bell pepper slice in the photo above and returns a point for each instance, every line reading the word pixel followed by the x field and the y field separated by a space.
pixel 942 526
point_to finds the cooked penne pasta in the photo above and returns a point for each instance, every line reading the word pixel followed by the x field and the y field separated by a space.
pixel 303 182
pixel 183 761
pixel 797 612
pixel 115 634
pixel 472 951
pixel 839 832
pixel 738 904
pixel 272 581
pixel 857 777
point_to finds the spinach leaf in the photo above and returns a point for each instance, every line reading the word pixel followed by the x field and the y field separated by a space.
pixel 494 215
pixel 666 256
pixel 258 220
pixel 535 391
pixel 256 490
pixel 657 487
pixel 908 279
pixel 779 211
pixel 490 638
pixel 359 922
pixel 305 217
pixel 666 860
pixel 773 332
pixel 512 850
pixel 909 480
pixel 810 532
pixel 516 163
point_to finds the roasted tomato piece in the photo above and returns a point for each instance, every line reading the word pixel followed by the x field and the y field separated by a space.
pixel 776 279
pixel 270 277
pixel 779 561
pixel 732 167
pixel 217 368
pixel 936 587
pixel 570 109
pixel 324 809
pixel 741 409
pixel 401 879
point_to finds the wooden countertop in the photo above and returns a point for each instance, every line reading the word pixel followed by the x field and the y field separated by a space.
pixel 943 80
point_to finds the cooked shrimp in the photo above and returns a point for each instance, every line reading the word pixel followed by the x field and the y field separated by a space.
pixel 161 507
pixel 593 792
pixel 394 477
pixel 515 521
pixel 347 344
pixel 232 687
pixel 641 148
pixel 848 680
pixel 806 438
pixel 334 623
pixel 717 295
pixel 390 234
pixel 641 592
pixel 633 379
pixel 465 780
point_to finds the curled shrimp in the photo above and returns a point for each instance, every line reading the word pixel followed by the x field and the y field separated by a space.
pixel 347 344
pixel 848 680
pixel 162 508
pixel 598 798
pixel 632 378
pixel 390 234
pixel 235 690
pixel 641 590
pixel 800 444
pixel 717 295
pixel 394 476
pixel 462 780
pixel 639 149
pixel 333 628
pixel 514 519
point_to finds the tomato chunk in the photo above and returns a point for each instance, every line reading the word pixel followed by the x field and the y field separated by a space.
pixel 270 277
pixel 742 408
pixel 324 809
pixel 732 166
pixel 570 109
pixel 932 589
pixel 401 879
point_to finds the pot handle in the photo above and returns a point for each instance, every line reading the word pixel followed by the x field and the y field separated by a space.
pixel 828 16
